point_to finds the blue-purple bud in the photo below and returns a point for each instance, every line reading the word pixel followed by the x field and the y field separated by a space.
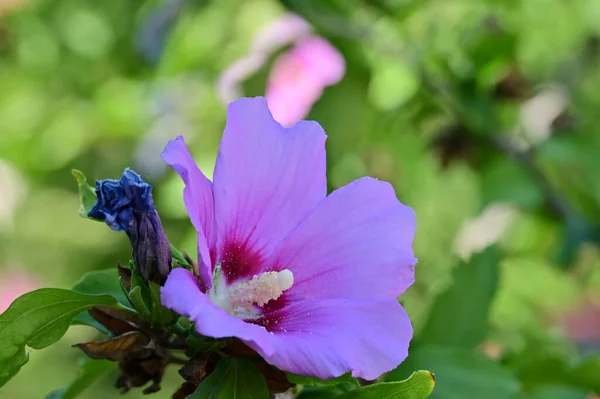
pixel 127 205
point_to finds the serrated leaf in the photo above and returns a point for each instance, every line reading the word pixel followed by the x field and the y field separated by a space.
pixel 91 371
pixel 87 193
pixel 418 386
pixel 233 379
pixel 460 315
pixel 39 319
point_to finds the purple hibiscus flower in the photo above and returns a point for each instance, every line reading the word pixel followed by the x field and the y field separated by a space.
pixel 307 280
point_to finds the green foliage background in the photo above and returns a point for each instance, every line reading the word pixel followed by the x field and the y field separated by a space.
pixel 432 101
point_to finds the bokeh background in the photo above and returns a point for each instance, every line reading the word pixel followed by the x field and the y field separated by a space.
pixel 483 114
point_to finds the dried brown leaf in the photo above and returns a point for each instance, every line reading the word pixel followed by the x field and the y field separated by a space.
pixel 197 368
pixel 124 276
pixel 116 321
pixel 118 348
pixel 277 381
pixel 236 348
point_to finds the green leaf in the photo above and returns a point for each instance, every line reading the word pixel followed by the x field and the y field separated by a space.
pixel 319 393
pixel 418 386
pixel 87 193
pixel 393 83
pixel 586 373
pixel 556 391
pixel 327 391
pixel 540 363
pixel 179 258
pixel 460 315
pixel 531 289
pixel 86 319
pixel 314 381
pixel 39 319
pixel 91 371
pixel 506 181
pixel 460 373
pixel 140 295
pixel 233 379
pixel 544 364
pixel 99 282
pixel 137 299
pixel 159 313
pixel 104 281
pixel 203 344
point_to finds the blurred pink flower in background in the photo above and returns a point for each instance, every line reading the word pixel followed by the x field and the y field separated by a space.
pixel 583 323
pixel 9 5
pixel 13 284
pixel 285 30
pixel 299 76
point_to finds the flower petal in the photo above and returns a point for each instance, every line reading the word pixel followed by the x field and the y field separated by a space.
pixel 198 199
pixel 356 244
pixel 182 294
pixel 322 338
pixel 267 180
pixel 328 338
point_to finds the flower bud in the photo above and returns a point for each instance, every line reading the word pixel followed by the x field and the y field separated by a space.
pixel 127 205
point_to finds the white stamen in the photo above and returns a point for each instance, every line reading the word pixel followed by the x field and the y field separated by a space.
pixel 285 279
pixel 261 289
pixel 219 294
pixel 241 298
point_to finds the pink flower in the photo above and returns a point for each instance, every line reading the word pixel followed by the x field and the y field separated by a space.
pixel 14 284
pixel 287 29
pixel 306 279
pixel 583 323
pixel 300 76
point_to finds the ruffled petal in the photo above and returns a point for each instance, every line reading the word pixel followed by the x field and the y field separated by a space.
pixel 322 338
pixel 198 199
pixel 356 244
pixel 328 338
pixel 182 294
pixel 267 180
